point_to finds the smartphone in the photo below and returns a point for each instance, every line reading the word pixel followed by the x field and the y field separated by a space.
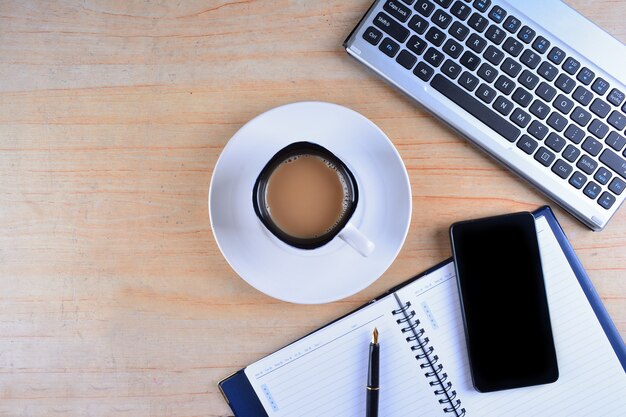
pixel 504 304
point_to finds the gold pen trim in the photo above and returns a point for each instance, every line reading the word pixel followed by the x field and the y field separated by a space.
pixel 373 388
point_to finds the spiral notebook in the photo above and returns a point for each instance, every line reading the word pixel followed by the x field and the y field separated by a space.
pixel 424 366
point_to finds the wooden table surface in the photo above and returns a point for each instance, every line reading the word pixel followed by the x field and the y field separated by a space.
pixel 114 298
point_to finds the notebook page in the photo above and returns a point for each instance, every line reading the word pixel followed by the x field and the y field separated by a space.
pixel 325 374
pixel 591 379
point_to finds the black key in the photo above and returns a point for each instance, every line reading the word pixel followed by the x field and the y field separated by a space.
pixel 424 7
pixel 476 43
pixel 592 146
pixel 460 10
pixel 435 36
pixel 617 120
pixel 418 24
pixel 571 66
pixel 615 141
pixel 541 44
pixel 443 3
pixel 503 106
pixel 459 31
pixel 468 81
pixel 475 108
pixel 555 142
pixel 571 153
pixel 470 61
pixel 391 27
pixel 477 22
pixel 557 122
pixel 452 48
pixel 556 55
pixel 574 133
pixel 578 180
pixel 614 161
pixel 423 71
pixel 527 144
pixel 538 130
pixel 580 116
pixel 512 46
pixel 520 118
pixel 530 58
pixel 528 79
pixel 598 129
pixel 451 69
pixel 545 91
pixel 486 93
pixel 504 84
pixel 372 35
pixel 582 95
pixel 600 107
pixel 587 164
pixel 544 156
pixel 434 57
pixel 511 67
pixel 441 19
pixel 526 34
pixel 617 186
pixel 548 71
pixel 406 59
pixel 592 190
pixel 482 5
pixel 522 97
pixel 495 34
pixel 416 44
pixel 606 200
pixel 397 10
pixel 493 55
pixel 497 14
pixel 603 175
pixel 565 83
pixel 562 168
pixel 616 97
pixel 585 76
pixel 487 72
pixel 600 86
pixel 389 47
pixel 563 104
pixel 512 23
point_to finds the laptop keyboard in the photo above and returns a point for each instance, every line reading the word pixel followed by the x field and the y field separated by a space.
pixel 509 76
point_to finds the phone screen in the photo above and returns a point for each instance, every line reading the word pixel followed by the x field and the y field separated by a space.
pixel 504 304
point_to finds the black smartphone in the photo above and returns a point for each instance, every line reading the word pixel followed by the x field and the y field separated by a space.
pixel 504 304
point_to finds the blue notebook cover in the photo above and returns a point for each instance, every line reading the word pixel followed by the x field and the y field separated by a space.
pixel 244 402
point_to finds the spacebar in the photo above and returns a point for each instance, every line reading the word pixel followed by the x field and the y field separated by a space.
pixel 475 108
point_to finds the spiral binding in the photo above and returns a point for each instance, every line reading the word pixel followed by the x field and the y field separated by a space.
pixel 429 361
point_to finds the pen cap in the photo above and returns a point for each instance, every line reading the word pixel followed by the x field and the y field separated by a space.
pixel 372 373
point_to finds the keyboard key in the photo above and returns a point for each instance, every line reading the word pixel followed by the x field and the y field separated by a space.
pixel 540 109
pixel 617 186
pixel 475 108
pixel 522 97
pixel 617 120
pixel 389 47
pixel 504 85
pixel 528 79
pixel 451 69
pixel 571 153
pixel 487 72
pixel 493 55
pixel 433 57
pixel 526 34
pixel 503 106
pixel 603 175
pixel 581 116
pixel 530 59
pixel 574 133
pixel 443 3
pixel 372 35
pixel 545 91
pixel 497 14
pixel 424 7
pixel 615 141
pixel 486 93
pixel 600 107
pixel 571 66
pixel 459 31
pixel 397 10
pixel 587 164
pixel 416 44
pixel 423 71
pixel 511 67
pixel 555 142
pixel 548 71
pixel 470 61
pixel 582 95
pixel 476 43
pixel 435 36
pixel 565 83
pixel 541 44
pixel 495 34
pixel 482 5
pixel 418 24
pixel 598 129
pixel 441 19
pixel 556 55
pixel 391 27
pixel 563 104
pixel 616 97
pixel 512 24
pixel 477 22
pixel 600 86
pixel 406 59
pixel 520 118
pixel 460 10
pixel 606 200
pixel 527 144
pixel 578 180
pixel 557 122
pixel 585 76
pixel 452 48
pixel 562 168
pixel 592 146
pixel 592 190
pixel 614 161
pixel 512 46
pixel 468 81
pixel 544 156
pixel 538 130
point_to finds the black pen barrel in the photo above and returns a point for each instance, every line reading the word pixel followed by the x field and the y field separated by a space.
pixel 371 403
pixel 372 373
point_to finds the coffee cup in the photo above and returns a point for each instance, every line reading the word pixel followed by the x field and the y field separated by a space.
pixel 306 197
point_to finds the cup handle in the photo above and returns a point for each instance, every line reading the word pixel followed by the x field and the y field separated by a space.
pixel 353 237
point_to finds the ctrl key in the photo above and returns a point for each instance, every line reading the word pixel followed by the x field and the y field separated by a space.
pixel 372 35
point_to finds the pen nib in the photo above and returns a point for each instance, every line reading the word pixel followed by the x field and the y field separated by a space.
pixel 375 336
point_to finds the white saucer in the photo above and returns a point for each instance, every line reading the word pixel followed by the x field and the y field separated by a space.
pixel 333 271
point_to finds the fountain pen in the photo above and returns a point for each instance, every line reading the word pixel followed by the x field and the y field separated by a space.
pixel 372 378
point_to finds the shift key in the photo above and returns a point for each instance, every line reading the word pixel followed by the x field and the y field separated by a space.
pixel 614 161
pixel 391 27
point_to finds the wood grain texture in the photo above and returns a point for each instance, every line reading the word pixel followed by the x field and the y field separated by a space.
pixel 114 298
